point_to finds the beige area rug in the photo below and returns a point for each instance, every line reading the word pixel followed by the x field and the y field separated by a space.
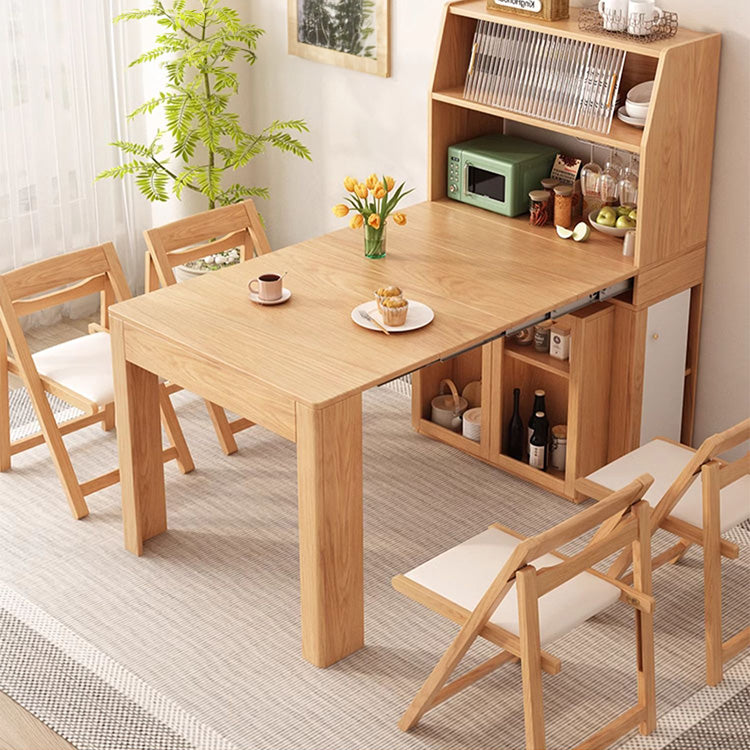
pixel 203 631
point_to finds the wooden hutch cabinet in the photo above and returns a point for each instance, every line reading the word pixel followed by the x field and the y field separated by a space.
pixel 630 355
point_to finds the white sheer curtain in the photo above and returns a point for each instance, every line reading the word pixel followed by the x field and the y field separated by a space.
pixel 62 100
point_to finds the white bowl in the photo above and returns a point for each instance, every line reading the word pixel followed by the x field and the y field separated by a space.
pixel 641 94
pixel 611 231
pixel 636 110
pixel 638 100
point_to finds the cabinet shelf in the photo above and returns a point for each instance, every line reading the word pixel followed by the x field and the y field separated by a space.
pixel 552 479
pixel 621 136
pixel 537 359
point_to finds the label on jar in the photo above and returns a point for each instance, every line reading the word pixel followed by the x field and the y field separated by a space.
pixel 536 456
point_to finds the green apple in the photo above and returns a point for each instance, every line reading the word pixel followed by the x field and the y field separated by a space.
pixel 624 210
pixel 607 216
pixel 625 222
pixel 634 214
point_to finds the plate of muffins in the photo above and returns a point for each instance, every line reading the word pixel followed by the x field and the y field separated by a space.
pixel 391 308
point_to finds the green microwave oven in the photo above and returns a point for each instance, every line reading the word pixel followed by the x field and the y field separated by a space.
pixel 497 172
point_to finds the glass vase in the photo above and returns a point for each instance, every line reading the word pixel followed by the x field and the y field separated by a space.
pixel 374 242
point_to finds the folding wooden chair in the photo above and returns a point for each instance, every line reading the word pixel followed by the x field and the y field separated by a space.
pixel 238 225
pixel 698 512
pixel 79 371
pixel 464 585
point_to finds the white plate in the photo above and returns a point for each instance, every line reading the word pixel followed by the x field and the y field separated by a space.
pixel 285 295
pixel 635 121
pixel 417 316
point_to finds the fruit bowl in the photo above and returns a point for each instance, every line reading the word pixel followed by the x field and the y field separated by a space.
pixel 611 231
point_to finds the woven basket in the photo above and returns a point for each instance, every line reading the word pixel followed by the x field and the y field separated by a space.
pixel 545 10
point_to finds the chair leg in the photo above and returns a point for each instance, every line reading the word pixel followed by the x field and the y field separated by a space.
pixel 4 406
pixel 531 657
pixel 712 573
pixel 61 459
pixel 108 424
pixel 223 430
pixel 174 432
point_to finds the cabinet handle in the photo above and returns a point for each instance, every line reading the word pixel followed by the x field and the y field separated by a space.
pixel 655 336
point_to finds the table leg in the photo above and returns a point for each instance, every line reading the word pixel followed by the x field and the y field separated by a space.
pixel 329 475
pixel 144 510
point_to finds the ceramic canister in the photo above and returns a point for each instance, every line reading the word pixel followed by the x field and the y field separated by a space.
pixel 473 423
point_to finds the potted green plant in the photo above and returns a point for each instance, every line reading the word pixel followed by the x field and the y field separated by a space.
pixel 203 141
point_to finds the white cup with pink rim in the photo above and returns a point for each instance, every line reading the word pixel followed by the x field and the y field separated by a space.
pixel 642 15
pixel 614 14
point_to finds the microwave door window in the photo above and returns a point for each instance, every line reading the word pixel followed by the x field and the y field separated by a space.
pixel 488 184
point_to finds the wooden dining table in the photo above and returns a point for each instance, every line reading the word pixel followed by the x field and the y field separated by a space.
pixel 299 369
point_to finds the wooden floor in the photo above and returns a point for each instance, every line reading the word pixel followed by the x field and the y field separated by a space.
pixel 19 730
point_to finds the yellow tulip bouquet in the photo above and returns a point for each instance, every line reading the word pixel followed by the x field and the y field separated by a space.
pixel 372 201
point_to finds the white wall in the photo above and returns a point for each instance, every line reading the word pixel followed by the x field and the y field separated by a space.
pixel 361 123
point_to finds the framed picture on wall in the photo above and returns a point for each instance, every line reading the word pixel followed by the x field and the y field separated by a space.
pixel 353 34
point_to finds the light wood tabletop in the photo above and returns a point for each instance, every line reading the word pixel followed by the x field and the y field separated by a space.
pixel 299 368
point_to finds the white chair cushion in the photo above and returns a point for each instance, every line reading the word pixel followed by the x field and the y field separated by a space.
pixel 464 573
pixel 83 365
pixel 664 461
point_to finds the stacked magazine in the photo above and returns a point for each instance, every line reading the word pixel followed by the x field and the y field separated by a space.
pixel 547 76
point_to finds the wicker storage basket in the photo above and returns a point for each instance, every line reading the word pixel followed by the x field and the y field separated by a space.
pixel 546 10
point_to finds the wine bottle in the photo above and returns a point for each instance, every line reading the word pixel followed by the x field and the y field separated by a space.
pixel 515 429
pixel 539 405
pixel 538 443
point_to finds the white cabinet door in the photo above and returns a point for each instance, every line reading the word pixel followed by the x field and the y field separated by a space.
pixel 664 368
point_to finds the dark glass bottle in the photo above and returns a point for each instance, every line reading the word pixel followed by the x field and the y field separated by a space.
pixel 538 443
pixel 539 405
pixel 516 442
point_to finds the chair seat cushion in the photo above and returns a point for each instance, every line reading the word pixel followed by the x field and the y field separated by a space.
pixel 83 365
pixel 463 574
pixel 664 461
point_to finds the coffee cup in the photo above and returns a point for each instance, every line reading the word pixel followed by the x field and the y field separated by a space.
pixel 642 15
pixel 614 14
pixel 269 287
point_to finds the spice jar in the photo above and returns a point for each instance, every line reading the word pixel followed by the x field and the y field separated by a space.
pixel 539 207
pixel 525 336
pixel 559 343
pixel 549 184
pixel 559 447
pixel 542 336
pixel 564 206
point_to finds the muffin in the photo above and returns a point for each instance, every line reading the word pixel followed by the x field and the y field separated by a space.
pixel 384 293
pixel 394 311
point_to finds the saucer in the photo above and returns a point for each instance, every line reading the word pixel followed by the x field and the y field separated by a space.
pixel 285 295
pixel 622 113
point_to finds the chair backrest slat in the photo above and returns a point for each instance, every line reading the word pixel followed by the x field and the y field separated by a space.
pixel 574 527
pixel 709 449
pixel 201 227
pixel 553 576
pixel 56 272
pixel 177 257
pixel 92 285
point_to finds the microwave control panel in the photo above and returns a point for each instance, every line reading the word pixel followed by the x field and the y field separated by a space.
pixel 454 168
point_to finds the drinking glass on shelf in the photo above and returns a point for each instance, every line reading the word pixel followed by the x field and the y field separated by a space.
pixel 608 180
pixel 627 186
pixel 590 175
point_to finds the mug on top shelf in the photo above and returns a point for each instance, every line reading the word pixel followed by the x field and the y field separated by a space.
pixel 614 14
pixel 642 15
